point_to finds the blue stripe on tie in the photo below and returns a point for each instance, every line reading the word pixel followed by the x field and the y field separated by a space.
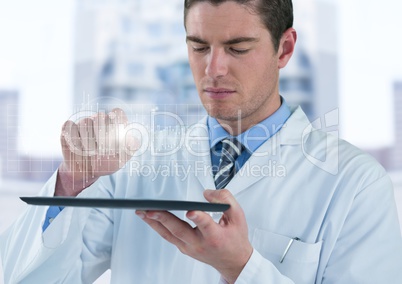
pixel 231 149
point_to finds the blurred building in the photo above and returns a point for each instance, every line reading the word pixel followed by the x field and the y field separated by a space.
pixel 391 157
pixel 311 77
pixel 396 151
pixel 127 52
pixel 9 118
pixel 133 52
pixel 14 165
pixel 37 168
pixel 296 83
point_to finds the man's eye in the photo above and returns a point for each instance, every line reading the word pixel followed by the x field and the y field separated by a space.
pixel 239 51
pixel 200 49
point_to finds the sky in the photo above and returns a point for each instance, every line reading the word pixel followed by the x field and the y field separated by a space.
pixel 36 58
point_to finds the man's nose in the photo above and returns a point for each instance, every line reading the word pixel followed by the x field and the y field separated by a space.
pixel 217 65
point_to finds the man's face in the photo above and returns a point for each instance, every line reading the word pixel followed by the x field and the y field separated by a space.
pixel 234 64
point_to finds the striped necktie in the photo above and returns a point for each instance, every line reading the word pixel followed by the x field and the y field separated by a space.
pixel 231 149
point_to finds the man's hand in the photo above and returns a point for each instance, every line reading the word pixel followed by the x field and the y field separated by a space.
pixel 225 245
pixel 93 147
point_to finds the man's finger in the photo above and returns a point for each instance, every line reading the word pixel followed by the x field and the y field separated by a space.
pixel 100 131
pixel 86 130
pixel 121 117
pixel 113 134
pixel 70 140
pixel 177 227
pixel 204 222
pixel 117 128
pixel 234 213
pixel 160 229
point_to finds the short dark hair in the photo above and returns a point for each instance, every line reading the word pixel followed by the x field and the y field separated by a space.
pixel 276 15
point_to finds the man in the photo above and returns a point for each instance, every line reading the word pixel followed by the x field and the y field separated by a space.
pixel 304 223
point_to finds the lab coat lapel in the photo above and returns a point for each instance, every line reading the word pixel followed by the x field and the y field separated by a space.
pixel 266 160
pixel 261 164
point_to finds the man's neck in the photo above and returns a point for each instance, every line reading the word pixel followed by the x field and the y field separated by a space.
pixel 242 124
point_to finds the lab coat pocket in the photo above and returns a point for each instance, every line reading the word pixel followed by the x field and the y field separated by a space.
pixel 300 263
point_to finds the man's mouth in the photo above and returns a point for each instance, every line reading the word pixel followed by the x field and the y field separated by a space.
pixel 218 93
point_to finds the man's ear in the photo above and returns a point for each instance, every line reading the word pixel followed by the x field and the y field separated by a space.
pixel 286 47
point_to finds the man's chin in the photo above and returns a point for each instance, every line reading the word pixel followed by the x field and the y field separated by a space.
pixel 226 116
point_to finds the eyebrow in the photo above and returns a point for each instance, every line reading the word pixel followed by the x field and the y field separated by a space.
pixel 228 42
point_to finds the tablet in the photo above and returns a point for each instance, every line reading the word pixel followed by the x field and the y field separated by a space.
pixel 141 204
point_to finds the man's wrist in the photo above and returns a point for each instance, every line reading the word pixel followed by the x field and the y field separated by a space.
pixel 230 275
pixel 70 183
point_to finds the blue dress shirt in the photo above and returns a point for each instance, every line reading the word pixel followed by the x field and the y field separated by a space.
pixel 251 138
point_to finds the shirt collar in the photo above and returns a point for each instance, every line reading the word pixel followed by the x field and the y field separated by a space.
pixel 256 135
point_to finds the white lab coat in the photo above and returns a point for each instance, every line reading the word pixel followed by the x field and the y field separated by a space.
pixel 337 200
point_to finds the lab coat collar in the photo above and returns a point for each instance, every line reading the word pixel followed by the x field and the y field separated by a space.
pixel 296 128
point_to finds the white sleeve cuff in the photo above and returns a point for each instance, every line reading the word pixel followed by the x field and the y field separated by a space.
pixel 260 270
